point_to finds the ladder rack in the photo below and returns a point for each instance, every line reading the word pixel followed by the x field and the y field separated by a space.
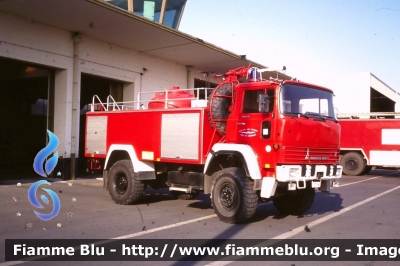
pixel 112 105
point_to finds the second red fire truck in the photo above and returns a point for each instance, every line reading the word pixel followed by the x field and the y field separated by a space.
pixel 251 140
pixel 369 140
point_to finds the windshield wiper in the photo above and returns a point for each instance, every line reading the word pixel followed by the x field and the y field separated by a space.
pixel 331 118
pixel 316 114
pixel 292 115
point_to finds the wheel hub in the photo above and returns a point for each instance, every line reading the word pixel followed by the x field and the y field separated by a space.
pixel 351 164
pixel 228 196
pixel 121 183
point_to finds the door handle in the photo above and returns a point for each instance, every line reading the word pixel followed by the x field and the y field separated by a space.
pixel 241 124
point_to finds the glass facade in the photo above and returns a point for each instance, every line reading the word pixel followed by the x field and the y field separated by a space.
pixel 167 12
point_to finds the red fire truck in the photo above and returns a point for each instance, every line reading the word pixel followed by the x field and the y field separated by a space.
pixel 251 139
pixel 369 140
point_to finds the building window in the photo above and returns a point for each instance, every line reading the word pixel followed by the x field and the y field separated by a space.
pixel 148 9
pixel 198 83
pixel 119 3
pixel 173 13
pixel 167 12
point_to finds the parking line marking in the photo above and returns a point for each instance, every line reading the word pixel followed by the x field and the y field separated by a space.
pixel 166 227
pixel 311 224
pixel 9 263
pixel 348 184
pixel 333 215
pixel 365 180
pixel 221 263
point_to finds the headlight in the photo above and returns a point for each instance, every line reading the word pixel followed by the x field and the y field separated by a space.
pixel 294 172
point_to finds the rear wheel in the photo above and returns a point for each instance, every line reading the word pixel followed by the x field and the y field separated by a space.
pixel 232 195
pixel 123 185
pixel 353 163
pixel 295 202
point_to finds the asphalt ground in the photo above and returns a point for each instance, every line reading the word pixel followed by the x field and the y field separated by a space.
pixel 365 207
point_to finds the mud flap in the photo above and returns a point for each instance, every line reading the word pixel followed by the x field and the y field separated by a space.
pixel 325 186
pixel 268 187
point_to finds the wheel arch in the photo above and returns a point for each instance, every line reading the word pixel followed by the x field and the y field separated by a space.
pixel 221 151
pixel 361 151
pixel 118 152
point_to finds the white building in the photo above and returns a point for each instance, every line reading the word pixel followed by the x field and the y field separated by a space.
pixel 363 93
pixel 55 55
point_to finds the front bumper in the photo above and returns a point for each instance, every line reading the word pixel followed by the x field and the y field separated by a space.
pixel 294 173
pixel 320 176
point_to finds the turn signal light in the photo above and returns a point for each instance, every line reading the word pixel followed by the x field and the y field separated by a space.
pixel 276 146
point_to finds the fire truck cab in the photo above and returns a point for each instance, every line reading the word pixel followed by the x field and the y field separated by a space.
pixel 250 140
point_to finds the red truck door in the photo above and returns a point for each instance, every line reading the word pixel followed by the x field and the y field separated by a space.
pixel 251 126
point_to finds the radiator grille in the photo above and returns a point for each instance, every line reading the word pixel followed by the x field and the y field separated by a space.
pixel 306 155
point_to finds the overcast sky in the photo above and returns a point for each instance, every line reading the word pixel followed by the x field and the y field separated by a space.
pixel 315 39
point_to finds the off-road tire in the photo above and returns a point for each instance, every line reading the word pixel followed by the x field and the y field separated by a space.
pixel 295 202
pixel 220 107
pixel 123 186
pixel 184 196
pixel 232 195
pixel 353 163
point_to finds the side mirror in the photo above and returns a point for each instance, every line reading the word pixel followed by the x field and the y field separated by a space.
pixel 263 103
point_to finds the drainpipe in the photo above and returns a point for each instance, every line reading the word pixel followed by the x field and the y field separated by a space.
pixel 188 70
pixel 75 103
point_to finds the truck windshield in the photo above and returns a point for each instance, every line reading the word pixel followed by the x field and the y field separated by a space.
pixel 306 101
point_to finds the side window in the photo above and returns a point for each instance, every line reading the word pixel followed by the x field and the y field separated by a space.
pixel 250 103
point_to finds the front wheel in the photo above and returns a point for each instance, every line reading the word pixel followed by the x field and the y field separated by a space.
pixel 232 195
pixel 123 185
pixel 295 202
